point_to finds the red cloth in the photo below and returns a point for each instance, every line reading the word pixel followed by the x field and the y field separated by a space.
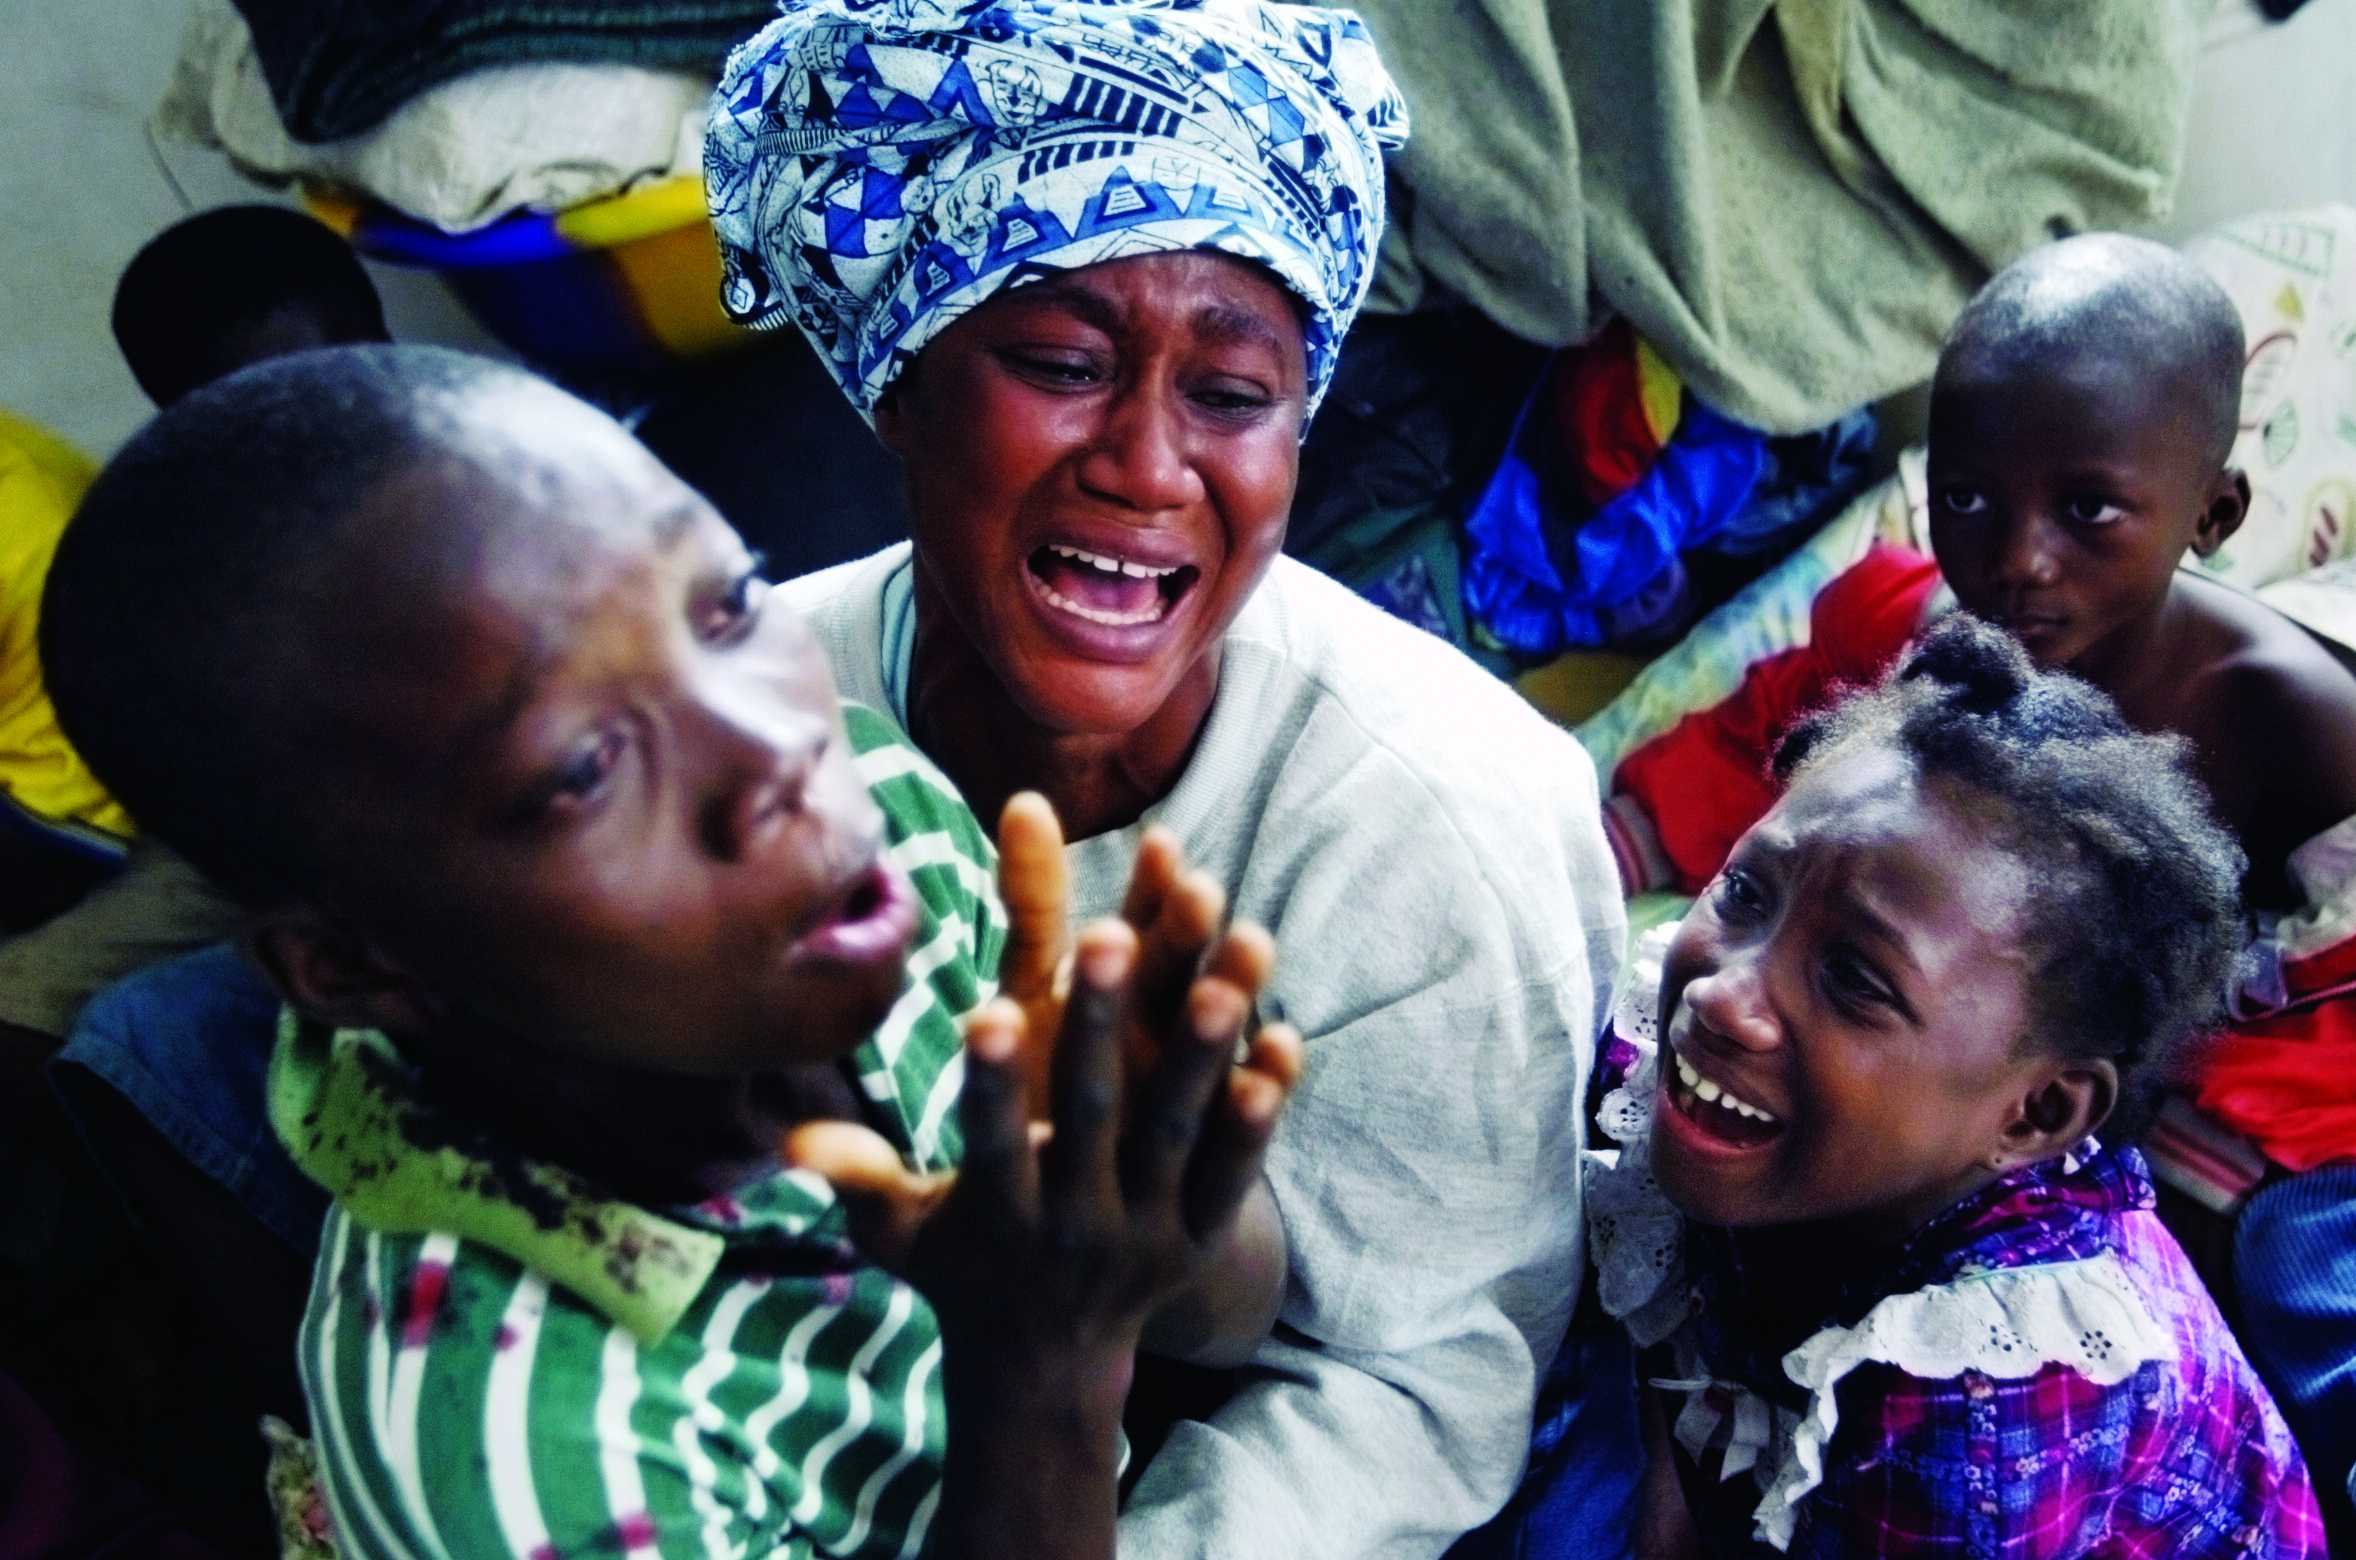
pixel 1598 405
pixel 2287 1081
pixel 1704 780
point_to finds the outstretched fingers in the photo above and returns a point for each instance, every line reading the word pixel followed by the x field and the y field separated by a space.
pixel 1160 859
pixel 1076 1167
pixel 997 1163
pixel 1244 958
pixel 888 1203
pixel 1035 969
pixel 1235 1136
pixel 1035 883
pixel 1171 952
pixel 1167 1121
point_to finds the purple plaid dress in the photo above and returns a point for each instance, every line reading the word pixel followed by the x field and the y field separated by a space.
pixel 2037 1374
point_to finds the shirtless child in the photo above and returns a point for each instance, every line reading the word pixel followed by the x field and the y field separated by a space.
pixel 2081 420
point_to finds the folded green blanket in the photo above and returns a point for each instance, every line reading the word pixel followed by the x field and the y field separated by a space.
pixel 1789 198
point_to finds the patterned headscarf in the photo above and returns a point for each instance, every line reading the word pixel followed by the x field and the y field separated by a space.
pixel 878 167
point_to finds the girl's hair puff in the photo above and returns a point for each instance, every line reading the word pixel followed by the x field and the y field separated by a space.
pixel 2134 906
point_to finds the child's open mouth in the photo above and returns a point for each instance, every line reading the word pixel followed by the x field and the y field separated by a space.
pixel 1116 592
pixel 1720 1115
pixel 873 920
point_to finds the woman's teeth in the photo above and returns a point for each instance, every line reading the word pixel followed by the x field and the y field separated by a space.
pixel 1135 571
pixel 1150 613
pixel 1116 592
pixel 1711 1094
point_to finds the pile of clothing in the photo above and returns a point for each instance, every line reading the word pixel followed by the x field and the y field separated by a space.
pixel 455 112
pixel 1625 506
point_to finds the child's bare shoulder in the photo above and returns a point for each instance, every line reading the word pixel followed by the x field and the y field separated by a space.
pixel 2270 688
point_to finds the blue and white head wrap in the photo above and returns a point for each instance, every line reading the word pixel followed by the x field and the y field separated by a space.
pixel 878 167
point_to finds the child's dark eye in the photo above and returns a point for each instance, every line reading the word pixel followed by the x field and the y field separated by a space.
pixel 734 612
pixel 1855 983
pixel 1963 500
pixel 581 776
pixel 1739 893
pixel 2090 510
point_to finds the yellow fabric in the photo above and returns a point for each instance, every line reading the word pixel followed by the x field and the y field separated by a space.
pixel 1659 391
pixel 41 480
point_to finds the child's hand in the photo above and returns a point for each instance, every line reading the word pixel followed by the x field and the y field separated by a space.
pixel 1046 1255
pixel 1175 913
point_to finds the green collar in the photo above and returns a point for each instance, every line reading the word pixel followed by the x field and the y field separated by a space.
pixel 353 1117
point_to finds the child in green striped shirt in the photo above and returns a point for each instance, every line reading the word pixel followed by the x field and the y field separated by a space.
pixel 584 892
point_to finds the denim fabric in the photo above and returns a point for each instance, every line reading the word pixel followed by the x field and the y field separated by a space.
pixel 1577 1499
pixel 187 1043
pixel 2294 1271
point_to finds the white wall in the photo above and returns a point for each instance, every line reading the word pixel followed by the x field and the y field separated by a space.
pixel 2274 121
pixel 81 190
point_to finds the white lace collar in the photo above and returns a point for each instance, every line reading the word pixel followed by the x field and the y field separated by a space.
pixel 2008 1324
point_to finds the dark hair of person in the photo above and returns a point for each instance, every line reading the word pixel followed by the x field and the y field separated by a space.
pixel 2134 902
pixel 2128 300
pixel 172 604
pixel 193 304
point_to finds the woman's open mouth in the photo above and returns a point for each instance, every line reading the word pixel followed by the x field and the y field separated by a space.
pixel 1114 592
pixel 1717 1114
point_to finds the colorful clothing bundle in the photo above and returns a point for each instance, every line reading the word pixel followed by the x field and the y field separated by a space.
pixel 1613 478
pixel 503 1361
pixel 2286 1078
pixel 876 171
pixel 2036 1372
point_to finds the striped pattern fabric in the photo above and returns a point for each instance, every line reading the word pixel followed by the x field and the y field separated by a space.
pixel 466 1405
pixel 915 1065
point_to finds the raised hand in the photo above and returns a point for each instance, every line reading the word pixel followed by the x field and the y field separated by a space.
pixel 1047 1254
pixel 1175 912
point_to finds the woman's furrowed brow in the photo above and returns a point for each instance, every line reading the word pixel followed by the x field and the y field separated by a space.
pixel 1075 298
pixel 1225 324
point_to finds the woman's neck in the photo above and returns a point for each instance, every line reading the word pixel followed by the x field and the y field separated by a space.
pixel 961 715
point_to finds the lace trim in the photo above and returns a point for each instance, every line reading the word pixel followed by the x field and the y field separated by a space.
pixel 1635 1236
pixel 2010 1324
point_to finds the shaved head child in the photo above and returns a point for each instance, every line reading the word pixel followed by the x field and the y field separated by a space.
pixel 2081 421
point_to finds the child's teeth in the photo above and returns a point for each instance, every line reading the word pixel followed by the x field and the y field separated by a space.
pixel 1711 1094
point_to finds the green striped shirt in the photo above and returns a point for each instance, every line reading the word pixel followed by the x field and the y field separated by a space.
pixel 501 1362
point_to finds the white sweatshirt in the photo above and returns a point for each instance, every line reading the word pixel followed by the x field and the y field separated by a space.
pixel 1427 851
